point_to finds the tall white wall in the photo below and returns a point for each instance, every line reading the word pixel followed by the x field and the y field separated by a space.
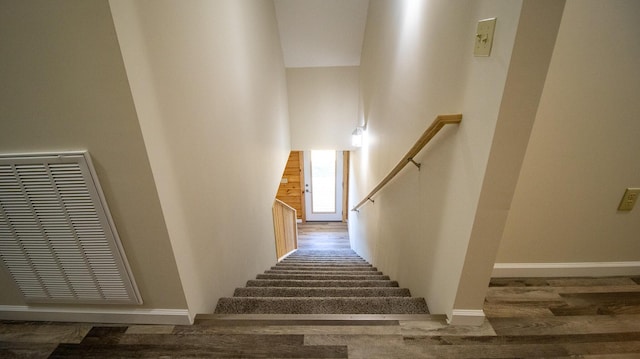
pixel 209 86
pixel 323 107
pixel 64 87
pixel 525 81
pixel 417 62
pixel 584 145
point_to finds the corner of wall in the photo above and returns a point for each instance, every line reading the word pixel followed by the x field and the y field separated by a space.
pixel 528 67
pixel 468 317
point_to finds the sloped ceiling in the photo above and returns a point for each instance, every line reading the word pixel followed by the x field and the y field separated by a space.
pixel 321 33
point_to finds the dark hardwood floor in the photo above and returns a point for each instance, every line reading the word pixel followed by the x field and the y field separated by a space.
pixel 526 318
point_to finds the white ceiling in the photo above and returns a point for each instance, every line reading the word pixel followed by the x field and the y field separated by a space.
pixel 321 33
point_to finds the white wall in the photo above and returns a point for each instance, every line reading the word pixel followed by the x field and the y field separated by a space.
pixel 417 63
pixel 323 107
pixel 528 67
pixel 584 145
pixel 64 87
pixel 209 86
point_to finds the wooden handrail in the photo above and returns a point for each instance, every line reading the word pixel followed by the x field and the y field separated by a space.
pixel 436 126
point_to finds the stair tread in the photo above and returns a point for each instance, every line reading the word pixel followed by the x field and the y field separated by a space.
pixel 315 268
pixel 319 264
pixel 321 292
pixel 303 261
pixel 320 283
pixel 322 276
pixel 329 305
pixel 314 272
pixel 324 257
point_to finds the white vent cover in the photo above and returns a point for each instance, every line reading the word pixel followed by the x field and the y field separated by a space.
pixel 57 238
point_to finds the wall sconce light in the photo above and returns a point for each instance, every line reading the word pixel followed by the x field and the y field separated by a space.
pixel 356 137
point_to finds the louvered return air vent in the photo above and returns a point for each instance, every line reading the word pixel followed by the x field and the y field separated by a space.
pixel 57 238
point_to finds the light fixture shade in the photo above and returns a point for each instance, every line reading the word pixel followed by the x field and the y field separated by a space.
pixel 356 137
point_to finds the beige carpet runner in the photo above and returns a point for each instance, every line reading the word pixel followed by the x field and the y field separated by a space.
pixel 322 282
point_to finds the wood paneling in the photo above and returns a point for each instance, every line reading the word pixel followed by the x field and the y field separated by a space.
pixel 291 192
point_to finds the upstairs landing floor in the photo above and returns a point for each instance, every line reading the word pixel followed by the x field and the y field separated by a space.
pixel 526 317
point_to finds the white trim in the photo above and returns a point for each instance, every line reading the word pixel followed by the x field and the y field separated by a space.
pixel 126 316
pixel 474 317
pixel 576 269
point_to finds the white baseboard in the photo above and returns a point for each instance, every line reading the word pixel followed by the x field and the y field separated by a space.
pixel 124 316
pixel 576 269
pixel 473 317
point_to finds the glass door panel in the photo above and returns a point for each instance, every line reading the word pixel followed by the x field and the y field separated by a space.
pixel 323 185
pixel 323 181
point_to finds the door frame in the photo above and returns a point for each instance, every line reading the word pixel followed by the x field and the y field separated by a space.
pixel 337 216
pixel 303 210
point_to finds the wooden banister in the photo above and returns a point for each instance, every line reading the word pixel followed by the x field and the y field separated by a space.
pixel 436 126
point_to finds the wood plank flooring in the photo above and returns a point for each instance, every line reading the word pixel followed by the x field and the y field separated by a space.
pixel 526 318
pixel 323 235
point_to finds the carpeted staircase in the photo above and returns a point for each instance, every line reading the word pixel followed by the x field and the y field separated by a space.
pixel 313 281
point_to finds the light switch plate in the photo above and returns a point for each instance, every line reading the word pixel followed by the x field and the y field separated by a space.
pixel 629 199
pixel 484 37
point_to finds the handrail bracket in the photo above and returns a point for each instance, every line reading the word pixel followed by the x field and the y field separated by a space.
pixel 415 163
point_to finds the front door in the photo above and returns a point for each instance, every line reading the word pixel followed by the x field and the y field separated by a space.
pixel 323 185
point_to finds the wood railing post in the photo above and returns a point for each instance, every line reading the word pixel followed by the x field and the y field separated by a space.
pixel 285 228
